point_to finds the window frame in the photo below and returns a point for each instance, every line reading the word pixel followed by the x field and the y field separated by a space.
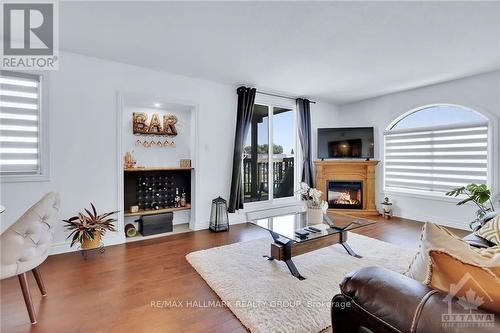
pixel 492 156
pixel 271 102
pixel 43 135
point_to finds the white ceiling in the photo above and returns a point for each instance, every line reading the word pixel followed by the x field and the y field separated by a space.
pixel 333 51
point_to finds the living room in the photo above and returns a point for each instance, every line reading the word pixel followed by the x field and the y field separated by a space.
pixel 383 119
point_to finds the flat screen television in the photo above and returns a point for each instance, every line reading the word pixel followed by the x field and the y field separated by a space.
pixel 346 142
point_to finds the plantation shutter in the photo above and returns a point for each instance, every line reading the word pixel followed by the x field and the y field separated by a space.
pixel 436 159
pixel 19 123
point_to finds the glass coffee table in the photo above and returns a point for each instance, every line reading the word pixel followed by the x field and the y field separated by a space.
pixel 293 235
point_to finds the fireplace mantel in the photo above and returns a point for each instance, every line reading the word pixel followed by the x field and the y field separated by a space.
pixel 355 170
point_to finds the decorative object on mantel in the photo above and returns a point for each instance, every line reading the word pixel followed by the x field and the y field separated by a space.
pixel 316 207
pixel 88 229
pixel 129 160
pixel 155 127
pixel 478 194
pixel 185 163
pixel 219 218
pixel 134 209
pixel 387 209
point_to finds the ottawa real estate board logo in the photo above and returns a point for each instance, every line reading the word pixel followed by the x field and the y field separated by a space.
pixel 30 35
pixel 474 296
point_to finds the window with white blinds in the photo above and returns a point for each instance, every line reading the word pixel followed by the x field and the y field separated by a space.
pixel 436 158
pixel 19 124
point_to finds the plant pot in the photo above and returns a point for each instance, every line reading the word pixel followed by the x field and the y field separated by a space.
pixel 314 216
pixel 387 210
pixel 88 244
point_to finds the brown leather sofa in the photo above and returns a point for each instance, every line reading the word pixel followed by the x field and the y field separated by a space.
pixel 376 300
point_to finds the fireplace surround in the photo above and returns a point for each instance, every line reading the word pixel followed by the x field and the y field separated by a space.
pixel 348 171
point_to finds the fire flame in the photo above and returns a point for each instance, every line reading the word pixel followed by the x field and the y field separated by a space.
pixel 345 199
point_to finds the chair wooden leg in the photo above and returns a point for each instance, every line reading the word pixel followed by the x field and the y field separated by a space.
pixel 39 281
pixel 23 281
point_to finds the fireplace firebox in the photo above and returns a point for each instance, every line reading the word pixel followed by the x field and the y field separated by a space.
pixel 345 194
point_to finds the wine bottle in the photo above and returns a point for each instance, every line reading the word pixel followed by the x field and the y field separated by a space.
pixel 183 199
pixel 177 197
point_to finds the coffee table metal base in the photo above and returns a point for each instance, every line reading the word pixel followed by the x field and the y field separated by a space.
pixel 349 250
pixel 287 244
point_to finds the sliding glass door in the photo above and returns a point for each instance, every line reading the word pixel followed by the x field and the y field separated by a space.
pixel 269 154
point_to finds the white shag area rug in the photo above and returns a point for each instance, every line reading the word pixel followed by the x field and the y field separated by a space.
pixel 265 297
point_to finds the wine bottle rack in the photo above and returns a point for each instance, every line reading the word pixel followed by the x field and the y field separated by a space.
pixel 155 190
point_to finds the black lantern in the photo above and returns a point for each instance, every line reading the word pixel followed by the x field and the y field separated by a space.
pixel 219 219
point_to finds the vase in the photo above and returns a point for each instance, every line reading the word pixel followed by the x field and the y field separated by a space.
pixel 88 244
pixel 314 215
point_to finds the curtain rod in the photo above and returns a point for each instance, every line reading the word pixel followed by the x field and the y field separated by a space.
pixel 282 96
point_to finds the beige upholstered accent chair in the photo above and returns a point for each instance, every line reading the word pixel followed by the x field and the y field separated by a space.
pixel 26 244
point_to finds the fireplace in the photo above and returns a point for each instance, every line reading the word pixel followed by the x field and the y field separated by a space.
pixel 345 194
pixel 348 172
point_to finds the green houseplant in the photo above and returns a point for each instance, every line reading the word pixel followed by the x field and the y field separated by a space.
pixel 477 194
pixel 88 228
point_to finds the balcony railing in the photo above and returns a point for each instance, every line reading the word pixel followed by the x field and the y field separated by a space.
pixel 282 174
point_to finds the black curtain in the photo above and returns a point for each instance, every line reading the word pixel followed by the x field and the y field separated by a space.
pixel 304 110
pixel 246 98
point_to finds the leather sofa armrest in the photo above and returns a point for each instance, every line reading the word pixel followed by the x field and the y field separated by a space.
pixel 385 301
pixel 387 297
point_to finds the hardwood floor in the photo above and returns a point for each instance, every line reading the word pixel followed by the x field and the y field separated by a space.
pixel 113 292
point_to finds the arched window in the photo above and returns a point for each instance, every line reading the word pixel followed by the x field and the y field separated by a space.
pixel 435 149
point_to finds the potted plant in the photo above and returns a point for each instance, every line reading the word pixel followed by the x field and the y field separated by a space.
pixel 478 194
pixel 316 207
pixel 386 208
pixel 87 229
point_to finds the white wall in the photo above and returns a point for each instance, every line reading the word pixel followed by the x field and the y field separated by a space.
pixel 322 116
pixel 83 138
pixel 480 92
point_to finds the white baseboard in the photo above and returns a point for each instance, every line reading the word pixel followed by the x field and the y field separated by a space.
pixel 446 223
pixel 199 227
pixel 64 247
pixel 239 218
